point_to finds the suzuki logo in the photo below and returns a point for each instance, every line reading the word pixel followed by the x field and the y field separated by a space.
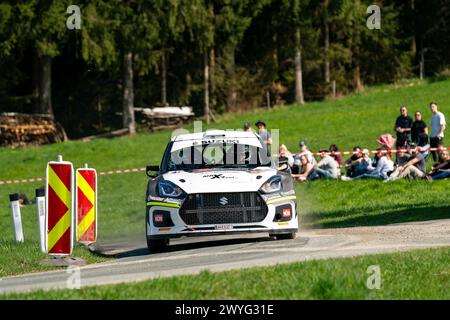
pixel 223 201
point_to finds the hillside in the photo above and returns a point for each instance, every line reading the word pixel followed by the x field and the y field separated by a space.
pixel 354 120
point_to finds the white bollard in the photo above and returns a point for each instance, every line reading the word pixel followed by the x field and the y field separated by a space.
pixel 40 205
pixel 16 217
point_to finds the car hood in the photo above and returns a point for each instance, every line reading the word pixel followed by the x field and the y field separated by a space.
pixel 220 180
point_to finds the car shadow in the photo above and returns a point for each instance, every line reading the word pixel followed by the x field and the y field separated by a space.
pixel 178 247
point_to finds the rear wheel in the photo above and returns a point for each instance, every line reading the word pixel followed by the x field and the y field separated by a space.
pixel 285 236
pixel 158 245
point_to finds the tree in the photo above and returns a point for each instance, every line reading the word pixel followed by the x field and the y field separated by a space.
pixel 231 20
pixel 125 32
pixel 294 9
pixel 41 25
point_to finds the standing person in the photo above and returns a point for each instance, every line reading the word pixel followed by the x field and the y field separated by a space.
pixel 247 127
pixel 419 130
pixel 438 125
pixel 263 133
pixel 402 127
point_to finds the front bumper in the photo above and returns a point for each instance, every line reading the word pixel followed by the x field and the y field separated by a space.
pixel 272 223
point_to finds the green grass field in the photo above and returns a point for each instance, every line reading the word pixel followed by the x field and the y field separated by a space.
pixel 418 274
pixel 354 120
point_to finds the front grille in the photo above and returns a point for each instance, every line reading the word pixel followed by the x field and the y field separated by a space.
pixel 221 208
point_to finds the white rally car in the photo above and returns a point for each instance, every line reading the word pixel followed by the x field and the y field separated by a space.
pixel 218 182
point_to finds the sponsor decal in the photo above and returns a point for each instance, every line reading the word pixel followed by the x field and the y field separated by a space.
pixel 286 213
pixel 280 199
pixel 270 196
pixel 170 200
pixel 217 176
pixel 212 141
pixel 288 193
pixel 150 198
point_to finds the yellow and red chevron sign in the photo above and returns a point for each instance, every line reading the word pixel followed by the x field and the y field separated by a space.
pixel 59 203
pixel 86 187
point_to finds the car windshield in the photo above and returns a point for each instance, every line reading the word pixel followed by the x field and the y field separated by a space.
pixel 218 155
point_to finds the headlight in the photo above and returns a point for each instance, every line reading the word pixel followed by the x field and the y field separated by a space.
pixel 169 189
pixel 271 185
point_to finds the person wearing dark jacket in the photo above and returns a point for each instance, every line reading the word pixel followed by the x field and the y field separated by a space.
pixel 419 130
pixel 402 127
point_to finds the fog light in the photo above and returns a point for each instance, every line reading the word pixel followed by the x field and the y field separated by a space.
pixel 159 218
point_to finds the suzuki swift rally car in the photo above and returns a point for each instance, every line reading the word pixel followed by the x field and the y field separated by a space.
pixel 218 182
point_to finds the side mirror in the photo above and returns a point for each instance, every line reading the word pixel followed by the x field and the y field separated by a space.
pixel 150 169
pixel 283 164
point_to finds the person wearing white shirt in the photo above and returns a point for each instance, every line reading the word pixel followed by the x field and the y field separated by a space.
pixel 438 125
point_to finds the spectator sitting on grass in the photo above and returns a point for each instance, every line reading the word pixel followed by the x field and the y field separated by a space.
pixel 365 163
pixel 303 151
pixel 335 150
pixel 327 167
pixel 415 168
pixel 403 157
pixel 305 169
pixel 384 167
pixel 362 164
pixel 440 170
pixel 353 161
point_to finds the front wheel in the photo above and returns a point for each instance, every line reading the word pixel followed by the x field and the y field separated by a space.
pixel 158 245
pixel 285 236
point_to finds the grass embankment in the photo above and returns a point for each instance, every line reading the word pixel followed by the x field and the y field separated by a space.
pixel 356 119
pixel 419 274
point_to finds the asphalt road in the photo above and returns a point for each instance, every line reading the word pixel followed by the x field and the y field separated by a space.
pixel 193 255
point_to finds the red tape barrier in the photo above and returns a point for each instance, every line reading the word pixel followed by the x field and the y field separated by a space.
pixel 418 149
pixel 101 173
pixel 105 173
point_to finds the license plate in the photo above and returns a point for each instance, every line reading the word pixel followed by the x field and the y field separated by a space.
pixel 223 226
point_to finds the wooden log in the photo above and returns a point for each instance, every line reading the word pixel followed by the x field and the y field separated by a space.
pixel 25 130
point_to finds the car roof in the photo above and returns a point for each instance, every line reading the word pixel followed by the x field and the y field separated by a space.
pixel 211 134
pixel 215 136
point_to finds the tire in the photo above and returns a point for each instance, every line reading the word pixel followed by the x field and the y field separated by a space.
pixel 286 236
pixel 158 245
